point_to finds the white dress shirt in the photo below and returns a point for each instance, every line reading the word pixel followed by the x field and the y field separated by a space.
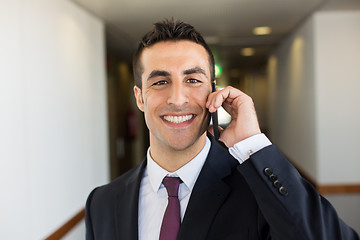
pixel 153 197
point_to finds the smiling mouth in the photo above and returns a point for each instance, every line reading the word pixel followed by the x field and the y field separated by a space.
pixel 178 119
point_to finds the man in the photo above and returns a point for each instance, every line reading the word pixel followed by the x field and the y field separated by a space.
pixel 249 191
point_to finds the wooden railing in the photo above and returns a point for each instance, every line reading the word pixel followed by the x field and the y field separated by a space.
pixel 67 227
pixel 324 189
pixel 338 189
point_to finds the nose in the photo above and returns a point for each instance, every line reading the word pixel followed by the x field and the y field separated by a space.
pixel 178 95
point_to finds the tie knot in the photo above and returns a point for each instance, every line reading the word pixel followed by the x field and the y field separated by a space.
pixel 172 185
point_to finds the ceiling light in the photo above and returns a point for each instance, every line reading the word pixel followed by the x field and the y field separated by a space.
pixel 262 30
pixel 247 52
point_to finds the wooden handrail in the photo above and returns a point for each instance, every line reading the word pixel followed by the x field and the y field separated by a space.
pixel 69 225
pixel 338 189
pixel 330 188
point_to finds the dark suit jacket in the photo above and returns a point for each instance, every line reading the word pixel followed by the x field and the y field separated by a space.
pixel 229 201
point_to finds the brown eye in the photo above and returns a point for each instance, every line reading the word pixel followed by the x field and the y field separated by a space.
pixel 158 83
pixel 192 80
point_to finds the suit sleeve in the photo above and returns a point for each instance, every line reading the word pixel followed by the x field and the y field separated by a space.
pixel 88 222
pixel 291 205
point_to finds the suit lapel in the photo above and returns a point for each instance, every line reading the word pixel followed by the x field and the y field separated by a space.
pixel 207 197
pixel 127 203
pixel 208 194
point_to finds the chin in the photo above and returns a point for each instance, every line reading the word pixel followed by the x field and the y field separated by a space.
pixel 177 145
pixel 182 143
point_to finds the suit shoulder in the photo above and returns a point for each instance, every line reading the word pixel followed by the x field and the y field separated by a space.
pixel 118 185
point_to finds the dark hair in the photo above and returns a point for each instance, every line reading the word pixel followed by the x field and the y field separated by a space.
pixel 169 30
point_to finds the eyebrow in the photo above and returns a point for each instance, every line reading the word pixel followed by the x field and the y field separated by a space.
pixel 195 70
pixel 158 73
pixel 161 73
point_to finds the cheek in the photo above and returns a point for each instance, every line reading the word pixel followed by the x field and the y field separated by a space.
pixel 152 102
pixel 200 97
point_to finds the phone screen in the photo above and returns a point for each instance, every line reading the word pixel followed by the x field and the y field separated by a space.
pixel 214 118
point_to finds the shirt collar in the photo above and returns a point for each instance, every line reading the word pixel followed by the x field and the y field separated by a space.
pixel 188 173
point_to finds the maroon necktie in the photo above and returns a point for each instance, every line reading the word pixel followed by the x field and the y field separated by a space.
pixel 171 221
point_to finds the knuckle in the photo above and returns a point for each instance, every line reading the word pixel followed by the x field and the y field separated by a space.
pixel 229 87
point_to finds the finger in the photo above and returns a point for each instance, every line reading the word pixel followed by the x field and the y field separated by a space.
pixel 216 99
pixel 211 96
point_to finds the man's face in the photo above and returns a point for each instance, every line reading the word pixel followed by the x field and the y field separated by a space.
pixel 175 87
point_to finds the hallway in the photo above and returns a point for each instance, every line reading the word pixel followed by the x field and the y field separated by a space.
pixel 68 119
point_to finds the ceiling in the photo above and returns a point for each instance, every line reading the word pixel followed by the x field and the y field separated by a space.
pixel 227 24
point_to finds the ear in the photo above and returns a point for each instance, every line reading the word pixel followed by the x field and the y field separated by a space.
pixel 139 99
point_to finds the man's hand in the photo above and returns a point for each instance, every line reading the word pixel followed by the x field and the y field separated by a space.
pixel 240 106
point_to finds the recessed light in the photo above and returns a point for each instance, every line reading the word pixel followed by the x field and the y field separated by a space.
pixel 247 52
pixel 262 30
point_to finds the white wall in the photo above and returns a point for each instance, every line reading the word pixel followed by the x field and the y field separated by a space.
pixel 314 95
pixel 53 126
pixel 337 39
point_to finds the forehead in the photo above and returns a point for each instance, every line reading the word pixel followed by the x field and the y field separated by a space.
pixel 174 55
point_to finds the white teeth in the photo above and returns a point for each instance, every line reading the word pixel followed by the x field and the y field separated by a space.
pixel 178 119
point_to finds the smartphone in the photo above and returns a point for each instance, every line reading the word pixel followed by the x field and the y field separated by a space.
pixel 214 118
